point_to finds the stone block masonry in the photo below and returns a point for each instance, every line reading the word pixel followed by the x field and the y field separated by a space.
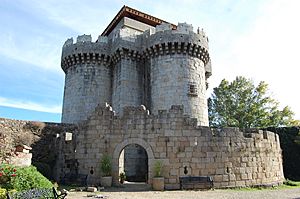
pixel 231 157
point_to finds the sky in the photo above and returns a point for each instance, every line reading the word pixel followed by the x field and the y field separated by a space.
pixel 258 39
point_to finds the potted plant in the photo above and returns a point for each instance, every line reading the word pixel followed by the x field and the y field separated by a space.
pixel 106 179
pixel 122 177
pixel 158 182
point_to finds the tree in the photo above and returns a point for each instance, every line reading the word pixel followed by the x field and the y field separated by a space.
pixel 240 104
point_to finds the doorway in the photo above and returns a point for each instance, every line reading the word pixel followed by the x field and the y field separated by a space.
pixel 133 161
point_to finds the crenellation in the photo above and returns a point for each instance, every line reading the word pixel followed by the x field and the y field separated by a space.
pixel 68 42
pixel 84 38
pixel 163 27
pixel 184 28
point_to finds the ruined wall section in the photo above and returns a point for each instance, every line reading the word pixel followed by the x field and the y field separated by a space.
pixel 88 77
pixel 177 70
pixel 52 151
pixel 231 157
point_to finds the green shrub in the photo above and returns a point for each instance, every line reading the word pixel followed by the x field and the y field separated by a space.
pixel 2 193
pixel 158 168
pixel 7 172
pixel 106 165
pixel 27 178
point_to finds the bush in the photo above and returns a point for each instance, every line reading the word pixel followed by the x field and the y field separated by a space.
pixel 106 165
pixel 158 168
pixel 7 172
pixel 2 193
pixel 27 178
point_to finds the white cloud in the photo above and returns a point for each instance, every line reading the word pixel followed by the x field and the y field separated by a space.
pixel 29 105
pixel 83 17
pixel 36 51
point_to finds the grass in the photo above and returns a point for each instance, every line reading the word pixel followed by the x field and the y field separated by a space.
pixel 288 184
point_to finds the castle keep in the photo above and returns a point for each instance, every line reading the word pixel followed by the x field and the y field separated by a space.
pixel 138 60
pixel 138 95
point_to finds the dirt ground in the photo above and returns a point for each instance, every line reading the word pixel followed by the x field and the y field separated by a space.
pixel 293 193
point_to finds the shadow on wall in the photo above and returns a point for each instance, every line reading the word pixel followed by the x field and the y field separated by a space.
pixel 48 149
pixel 290 145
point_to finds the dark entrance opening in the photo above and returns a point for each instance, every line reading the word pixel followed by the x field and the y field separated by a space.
pixel 133 161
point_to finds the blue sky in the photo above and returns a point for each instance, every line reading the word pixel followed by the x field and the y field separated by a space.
pixel 258 39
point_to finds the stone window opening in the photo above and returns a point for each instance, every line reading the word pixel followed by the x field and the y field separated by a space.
pixel 192 89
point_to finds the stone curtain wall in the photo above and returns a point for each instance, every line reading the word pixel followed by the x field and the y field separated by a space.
pixel 232 158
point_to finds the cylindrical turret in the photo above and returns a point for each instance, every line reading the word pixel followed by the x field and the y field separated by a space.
pixel 178 71
pixel 88 77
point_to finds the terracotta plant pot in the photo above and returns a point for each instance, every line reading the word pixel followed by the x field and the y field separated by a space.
pixel 158 183
pixel 106 181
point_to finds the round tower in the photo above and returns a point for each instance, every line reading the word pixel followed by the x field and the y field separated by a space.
pixel 179 66
pixel 88 77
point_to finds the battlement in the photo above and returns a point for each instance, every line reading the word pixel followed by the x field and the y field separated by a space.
pixel 175 116
pixel 85 38
pixel 161 41
pixel 84 51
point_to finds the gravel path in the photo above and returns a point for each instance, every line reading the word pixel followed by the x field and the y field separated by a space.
pixel 222 194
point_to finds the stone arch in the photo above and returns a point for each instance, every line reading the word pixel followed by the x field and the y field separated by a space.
pixel 119 147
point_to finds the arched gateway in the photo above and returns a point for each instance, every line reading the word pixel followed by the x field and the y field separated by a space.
pixel 118 149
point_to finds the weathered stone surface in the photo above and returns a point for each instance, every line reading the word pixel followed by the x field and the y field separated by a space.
pixel 228 164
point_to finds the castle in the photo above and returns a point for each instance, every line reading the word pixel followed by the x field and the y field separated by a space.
pixel 138 60
pixel 137 94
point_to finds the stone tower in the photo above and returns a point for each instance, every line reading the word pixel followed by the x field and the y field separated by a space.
pixel 138 60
